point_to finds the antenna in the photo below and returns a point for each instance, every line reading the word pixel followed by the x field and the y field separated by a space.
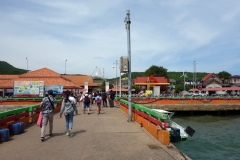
pixel 97 73
pixel 184 75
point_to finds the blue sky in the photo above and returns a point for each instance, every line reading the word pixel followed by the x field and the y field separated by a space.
pixel 90 34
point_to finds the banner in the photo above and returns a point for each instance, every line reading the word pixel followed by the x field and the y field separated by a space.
pixel 28 88
pixel 57 89
pixel 107 86
pixel 86 86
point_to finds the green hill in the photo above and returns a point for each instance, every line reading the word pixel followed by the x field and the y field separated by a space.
pixel 176 75
pixel 6 68
pixel 173 75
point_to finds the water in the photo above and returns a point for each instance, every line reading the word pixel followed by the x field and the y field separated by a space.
pixel 215 137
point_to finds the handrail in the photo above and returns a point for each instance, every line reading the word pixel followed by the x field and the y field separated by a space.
pixel 16 111
pixel 146 110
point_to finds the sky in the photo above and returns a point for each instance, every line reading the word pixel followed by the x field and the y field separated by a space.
pixel 88 37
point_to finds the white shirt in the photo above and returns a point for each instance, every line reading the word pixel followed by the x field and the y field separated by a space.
pixel 72 99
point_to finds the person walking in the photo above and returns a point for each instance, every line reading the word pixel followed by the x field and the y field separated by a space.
pixel 90 95
pixel 86 103
pixel 81 101
pixel 104 99
pixel 68 108
pixel 73 98
pixel 98 100
pixel 48 104
pixel 111 98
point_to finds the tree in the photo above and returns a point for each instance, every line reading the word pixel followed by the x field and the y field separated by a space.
pixel 137 89
pixel 103 86
pixel 156 71
pixel 180 87
pixel 225 76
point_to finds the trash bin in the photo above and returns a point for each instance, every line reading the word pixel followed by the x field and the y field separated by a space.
pixel 16 128
pixel 4 135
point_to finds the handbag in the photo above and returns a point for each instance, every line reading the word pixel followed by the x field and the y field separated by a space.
pixel 39 121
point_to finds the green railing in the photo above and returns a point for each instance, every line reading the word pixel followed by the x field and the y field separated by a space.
pixel 16 111
pixel 146 110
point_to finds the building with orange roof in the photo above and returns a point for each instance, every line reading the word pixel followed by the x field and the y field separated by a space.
pixel 148 83
pixel 212 84
pixel 50 78
pixel 80 80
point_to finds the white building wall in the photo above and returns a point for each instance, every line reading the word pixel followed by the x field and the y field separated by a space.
pixel 214 85
pixel 156 90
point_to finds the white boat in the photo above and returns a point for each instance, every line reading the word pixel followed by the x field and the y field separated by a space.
pixel 172 124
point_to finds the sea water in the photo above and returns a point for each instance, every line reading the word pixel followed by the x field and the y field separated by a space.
pixel 216 137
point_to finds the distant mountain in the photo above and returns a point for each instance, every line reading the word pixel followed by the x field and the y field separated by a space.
pixel 6 68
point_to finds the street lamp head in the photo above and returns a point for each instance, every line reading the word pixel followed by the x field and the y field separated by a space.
pixel 113 66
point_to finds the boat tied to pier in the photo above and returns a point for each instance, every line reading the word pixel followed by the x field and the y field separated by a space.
pixel 177 132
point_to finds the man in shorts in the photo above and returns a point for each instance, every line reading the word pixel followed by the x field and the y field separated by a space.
pixel 86 103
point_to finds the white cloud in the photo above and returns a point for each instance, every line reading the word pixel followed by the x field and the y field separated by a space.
pixel 91 33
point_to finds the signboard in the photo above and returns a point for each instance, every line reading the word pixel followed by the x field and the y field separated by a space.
pixel 86 86
pixel 107 86
pixel 28 88
pixel 57 89
pixel 156 90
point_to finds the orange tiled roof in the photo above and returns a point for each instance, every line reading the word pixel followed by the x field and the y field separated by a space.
pixel 48 76
pixel 144 79
pixel 6 83
pixel 3 77
pixel 209 76
pixel 79 80
pixel 44 72
pixel 51 81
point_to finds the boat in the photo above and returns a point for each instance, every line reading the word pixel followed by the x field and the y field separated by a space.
pixel 177 132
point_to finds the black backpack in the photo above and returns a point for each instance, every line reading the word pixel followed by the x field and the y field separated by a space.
pixel 86 100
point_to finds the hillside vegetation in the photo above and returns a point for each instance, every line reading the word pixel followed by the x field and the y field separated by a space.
pixel 6 68
pixel 176 75
pixel 173 75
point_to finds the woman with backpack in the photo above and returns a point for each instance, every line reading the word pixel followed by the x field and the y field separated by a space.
pixel 68 108
pixel 98 100
pixel 86 103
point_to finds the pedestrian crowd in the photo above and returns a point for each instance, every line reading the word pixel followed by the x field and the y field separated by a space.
pixel 69 108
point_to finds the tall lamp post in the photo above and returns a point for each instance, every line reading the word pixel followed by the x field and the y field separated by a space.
pixel 194 74
pixel 27 63
pixel 127 26
pixel 116 63
pixel 65 66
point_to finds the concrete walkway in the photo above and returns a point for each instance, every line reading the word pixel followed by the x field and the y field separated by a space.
pixel 107 136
